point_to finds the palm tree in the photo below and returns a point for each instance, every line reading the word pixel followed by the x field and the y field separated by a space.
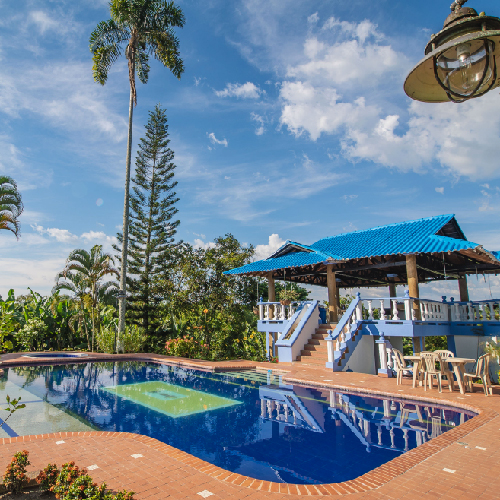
pixel 75 283
pixel 145 27
pixel 11 205
pixel 83 275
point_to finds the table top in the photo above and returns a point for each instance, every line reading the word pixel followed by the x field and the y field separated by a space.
pixel 459 360
pixel 416 357
pixel 413 357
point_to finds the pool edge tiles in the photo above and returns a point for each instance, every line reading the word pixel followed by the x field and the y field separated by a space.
pixel 172 400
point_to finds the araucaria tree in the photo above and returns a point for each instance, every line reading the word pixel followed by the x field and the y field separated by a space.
pixel 152 226
pixel 11 205
pixel 145 28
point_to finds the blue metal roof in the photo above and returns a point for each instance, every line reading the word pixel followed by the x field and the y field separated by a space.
pixel 416 236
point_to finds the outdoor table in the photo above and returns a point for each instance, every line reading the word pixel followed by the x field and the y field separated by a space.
pixel 416 366
pixel 459 369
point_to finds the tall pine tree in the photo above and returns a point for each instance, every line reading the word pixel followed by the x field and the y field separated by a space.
pixel 151 227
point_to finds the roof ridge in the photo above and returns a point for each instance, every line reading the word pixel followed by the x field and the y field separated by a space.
pixel 450 216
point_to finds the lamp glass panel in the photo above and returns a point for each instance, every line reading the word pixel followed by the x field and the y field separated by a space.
pixel 461 67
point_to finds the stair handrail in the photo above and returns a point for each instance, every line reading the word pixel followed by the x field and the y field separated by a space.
pixel 311 306
pixel 353 314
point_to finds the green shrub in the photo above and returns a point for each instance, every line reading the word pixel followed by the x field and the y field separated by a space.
pixel 133 339
pixel 32 334
pixel 47 477
pixel 15 476
pixel 68 474
pixel 186 347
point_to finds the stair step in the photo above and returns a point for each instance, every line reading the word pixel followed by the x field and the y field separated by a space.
pixel 312 363
pixel 319 336
pixel 315 348
pixel 315 355
pixel 329 326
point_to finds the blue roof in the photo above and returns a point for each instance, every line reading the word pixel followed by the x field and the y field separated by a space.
pixel 432 234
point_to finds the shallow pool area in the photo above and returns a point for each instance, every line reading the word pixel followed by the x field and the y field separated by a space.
pixel 247 422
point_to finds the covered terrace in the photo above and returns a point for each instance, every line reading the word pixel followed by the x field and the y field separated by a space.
pixel 406 254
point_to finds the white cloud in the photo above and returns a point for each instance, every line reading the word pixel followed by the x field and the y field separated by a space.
pixel 15 163
pixel 99 238
pixel 214 140
pixel 440 190
pixel 317 110
pixel 246 195
pixel 246 90
pixel 349 197
pixel 38 274
pixel 260 120
pixel 60 235
pixel 462 138
pixel 200 244
pixel 264 251
pixel 63 94
pixel 43 21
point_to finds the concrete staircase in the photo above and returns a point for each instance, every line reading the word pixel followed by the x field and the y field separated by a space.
pixel 314 353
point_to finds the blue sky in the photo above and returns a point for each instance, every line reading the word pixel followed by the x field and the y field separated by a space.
pixel 290 122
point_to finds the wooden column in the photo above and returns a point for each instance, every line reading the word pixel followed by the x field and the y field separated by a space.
pixel 411 272
pixel 332 294
pixel 462 286
pixel 392 290
pixel 271 293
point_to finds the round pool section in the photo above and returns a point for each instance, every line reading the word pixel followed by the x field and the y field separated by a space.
pixel 55 355
pixel 246 422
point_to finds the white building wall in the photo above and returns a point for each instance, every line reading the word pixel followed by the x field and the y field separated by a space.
pixel 362 359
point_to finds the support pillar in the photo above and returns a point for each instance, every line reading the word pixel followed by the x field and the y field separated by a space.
pixel 462 286
pixel 271 349
pixel 332 294
pixel 411 273
pixel 271 293
pixel 392 290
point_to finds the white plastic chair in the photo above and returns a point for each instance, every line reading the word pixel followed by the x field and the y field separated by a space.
pixel 429 360
pixel 481 371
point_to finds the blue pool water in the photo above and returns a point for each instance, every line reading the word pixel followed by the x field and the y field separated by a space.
pixel 245 422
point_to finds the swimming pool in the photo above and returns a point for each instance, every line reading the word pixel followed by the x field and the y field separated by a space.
pixel 246 422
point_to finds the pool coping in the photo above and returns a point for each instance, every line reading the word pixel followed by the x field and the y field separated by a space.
pixel 369 481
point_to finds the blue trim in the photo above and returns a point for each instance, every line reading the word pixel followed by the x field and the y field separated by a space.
pixel 8 429
pixel 289 342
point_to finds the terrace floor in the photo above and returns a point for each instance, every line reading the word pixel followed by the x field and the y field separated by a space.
pixel 463 463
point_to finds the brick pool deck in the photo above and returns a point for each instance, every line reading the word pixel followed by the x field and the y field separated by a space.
pixel 463 463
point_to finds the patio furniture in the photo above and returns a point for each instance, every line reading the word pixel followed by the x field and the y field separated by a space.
pixel 481 371
pixel 401 365
pixel 458 365
pixel 417 363
pixel 430 359
pixel 445 354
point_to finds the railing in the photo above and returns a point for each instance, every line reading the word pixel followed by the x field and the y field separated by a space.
pixel 276 310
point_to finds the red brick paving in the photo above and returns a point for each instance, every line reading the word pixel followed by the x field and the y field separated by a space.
pixel 165 472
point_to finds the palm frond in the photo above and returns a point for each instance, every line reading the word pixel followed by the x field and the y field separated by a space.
pixel 11 205
pixel 105 43
pixel 142 62
pixel 164 45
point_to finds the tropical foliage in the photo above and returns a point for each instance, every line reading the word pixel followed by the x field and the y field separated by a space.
pixel 142 29
pixel 11 205
pixel 84 275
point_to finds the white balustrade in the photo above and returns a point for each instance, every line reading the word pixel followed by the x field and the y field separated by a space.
pixel 395 315
pixel 276 311
pixel 382 310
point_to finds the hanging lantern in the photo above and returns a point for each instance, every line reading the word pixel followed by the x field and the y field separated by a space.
pixel 460 61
